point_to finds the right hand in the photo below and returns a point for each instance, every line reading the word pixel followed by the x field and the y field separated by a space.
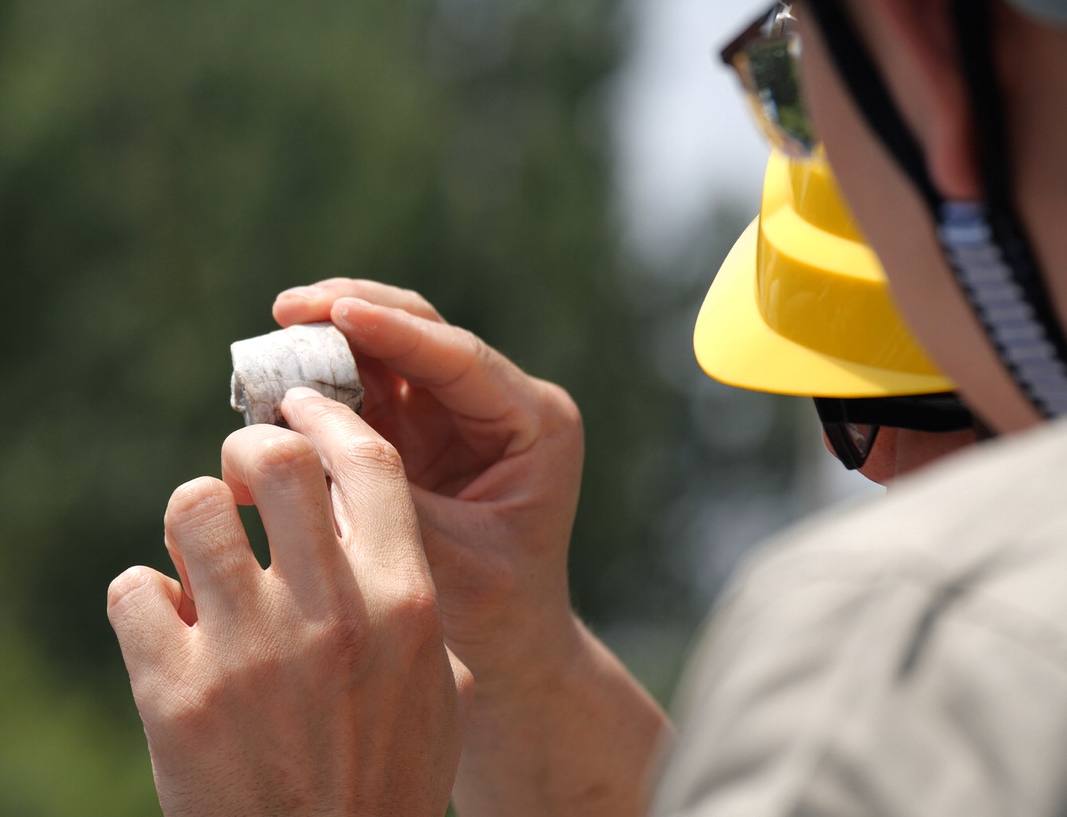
pixel 320 686
pixel 494 458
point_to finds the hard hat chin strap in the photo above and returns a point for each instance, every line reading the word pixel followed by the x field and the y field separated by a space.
pixel 984 241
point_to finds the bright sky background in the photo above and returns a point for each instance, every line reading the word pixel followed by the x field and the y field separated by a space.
pixel 684 134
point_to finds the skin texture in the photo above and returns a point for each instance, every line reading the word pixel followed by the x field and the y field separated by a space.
pixel 913 42
pixel 320 685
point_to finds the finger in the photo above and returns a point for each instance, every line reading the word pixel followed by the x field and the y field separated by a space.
pixel 280 471
pixel 372 500
pixel 469 377
pixel 313 303
pixel 143 608
pixel 203 527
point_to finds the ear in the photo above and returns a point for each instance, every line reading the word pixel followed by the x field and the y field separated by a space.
pixel 923 70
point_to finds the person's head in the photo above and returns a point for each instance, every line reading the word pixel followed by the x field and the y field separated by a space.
pixel 801 307
pixel 945 122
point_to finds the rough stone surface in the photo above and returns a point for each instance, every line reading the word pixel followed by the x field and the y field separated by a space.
pixel 313 355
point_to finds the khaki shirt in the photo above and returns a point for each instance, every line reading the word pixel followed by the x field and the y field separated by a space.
pixel 906 657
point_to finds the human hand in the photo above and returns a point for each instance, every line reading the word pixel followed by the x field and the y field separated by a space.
pixel 319 685
pixel 494 458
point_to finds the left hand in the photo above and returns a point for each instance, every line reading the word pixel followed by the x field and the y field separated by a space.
pixel 494 459
pixel 320 685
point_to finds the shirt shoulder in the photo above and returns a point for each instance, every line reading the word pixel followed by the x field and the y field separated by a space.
pixel 909 656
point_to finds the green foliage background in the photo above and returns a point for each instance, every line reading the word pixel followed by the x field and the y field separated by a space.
pixel 166 168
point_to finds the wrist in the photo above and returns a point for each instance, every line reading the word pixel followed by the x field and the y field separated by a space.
pixel 540 744
pixel 538 664
pixel 573 674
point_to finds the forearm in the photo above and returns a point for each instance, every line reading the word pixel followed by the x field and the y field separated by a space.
pixel 579 745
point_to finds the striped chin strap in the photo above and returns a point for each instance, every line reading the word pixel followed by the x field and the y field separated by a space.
pixel 984 241
pixel 1030 346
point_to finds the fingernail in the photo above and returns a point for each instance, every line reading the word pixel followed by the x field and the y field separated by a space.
pixel 301 393
pixel 303 293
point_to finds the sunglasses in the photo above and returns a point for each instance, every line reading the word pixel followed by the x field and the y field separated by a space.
pixel 852 425
pixel 766 59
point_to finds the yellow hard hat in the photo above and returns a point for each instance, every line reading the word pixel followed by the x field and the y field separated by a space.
pixel 801 305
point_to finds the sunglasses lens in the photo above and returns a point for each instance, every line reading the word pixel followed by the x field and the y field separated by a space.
pixel 769 70
pixel 851 442
pixel 861 438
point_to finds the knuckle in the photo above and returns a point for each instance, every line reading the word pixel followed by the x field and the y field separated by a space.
pixel 125 587
pixel 283 456
pixel 217 555
pixel 234 438
pixel 201 524
pixel 335 283
pixel 414 617
pixel 198 500
pixel 560 410
pixel 480 350
pixel 421 303
pixel 374 454
pixel 475 355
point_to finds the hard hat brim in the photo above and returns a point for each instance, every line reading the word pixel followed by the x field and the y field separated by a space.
pixel 735 346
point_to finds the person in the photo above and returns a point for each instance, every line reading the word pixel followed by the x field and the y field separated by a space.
pixel 904 657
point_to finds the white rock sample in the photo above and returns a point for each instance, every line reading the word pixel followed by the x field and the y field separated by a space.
pixel 314 355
